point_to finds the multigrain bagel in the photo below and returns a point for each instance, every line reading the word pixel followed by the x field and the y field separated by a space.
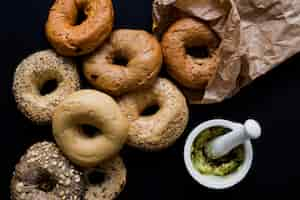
pixel 139 48
pixel 89 108
pixel 190 71
pixel 114 180
pixel 44 173
pixel 30 77
pixel 161 129
pixel 72 39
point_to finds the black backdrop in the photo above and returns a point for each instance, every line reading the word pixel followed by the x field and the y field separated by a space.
pixel 272 100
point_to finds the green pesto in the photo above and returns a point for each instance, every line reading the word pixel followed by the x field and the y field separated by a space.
pixel 218 167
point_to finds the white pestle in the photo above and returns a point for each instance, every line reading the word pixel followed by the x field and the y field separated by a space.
pixel 222 145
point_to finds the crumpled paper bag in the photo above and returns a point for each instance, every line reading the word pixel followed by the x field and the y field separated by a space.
pixel 257 35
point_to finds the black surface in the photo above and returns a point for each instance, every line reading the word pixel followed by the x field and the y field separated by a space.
pixel 273 100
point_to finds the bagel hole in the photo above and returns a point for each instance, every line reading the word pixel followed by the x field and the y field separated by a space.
pixel 120 60
pixel 81 16
pixel 48 87
pixel 95 177
pixel 198 52
pixel 90 131
pixel 46 183
pixel 150 110
pixel 78 50
pixel 94 77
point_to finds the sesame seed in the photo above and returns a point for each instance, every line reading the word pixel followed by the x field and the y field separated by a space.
pixel 19 186
pixel 68 182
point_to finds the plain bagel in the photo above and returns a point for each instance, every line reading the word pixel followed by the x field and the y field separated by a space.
pixel 72 39
pixel 190 71
pixel 139 48
pixel 162 128
pixel 89 108
pixel 30 77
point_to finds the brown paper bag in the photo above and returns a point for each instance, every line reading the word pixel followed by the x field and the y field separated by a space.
pixel 257 35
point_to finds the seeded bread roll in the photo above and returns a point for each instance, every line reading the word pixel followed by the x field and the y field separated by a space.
pixel 30 77
pixel 44 173
pixel 158 130
pixel 114 180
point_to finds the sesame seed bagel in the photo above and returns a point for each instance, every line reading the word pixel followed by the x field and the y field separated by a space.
pixel 95 109
pixel 44 173
pixel 72 39
pixel 30 77
pixel 161 129
pixel 114 180
pixel 139 48
pixel 190 71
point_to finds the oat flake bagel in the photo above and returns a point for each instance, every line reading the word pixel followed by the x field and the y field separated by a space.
pixel 44 173
pixel 161 129
pixel 114 180
pixel 72 39
pixel 30 77
pixel 139 48
pixel 190 71
pixel 89 108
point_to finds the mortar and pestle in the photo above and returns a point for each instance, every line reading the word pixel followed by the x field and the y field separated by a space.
pixel 239 135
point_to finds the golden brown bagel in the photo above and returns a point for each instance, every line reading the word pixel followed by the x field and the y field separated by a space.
pixel 161 129
pixel 189 71
pixel 144 57
pixel 89 107
pixel 70 39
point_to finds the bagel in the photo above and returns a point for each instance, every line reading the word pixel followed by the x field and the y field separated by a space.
pixel 44 173
pixel 89 108
pixel 72 39
pixel 161 129
pixel 114 180
pixel 194 72
pixel 139 48
pixel 30 77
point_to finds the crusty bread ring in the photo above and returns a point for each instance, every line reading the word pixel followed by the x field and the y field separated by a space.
pixel 30 77
pixel 144 57
pixel 161 129
pixel 70 39
pixel 89 107
pixel 191 72
pixel 44 173
pixel 114 180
